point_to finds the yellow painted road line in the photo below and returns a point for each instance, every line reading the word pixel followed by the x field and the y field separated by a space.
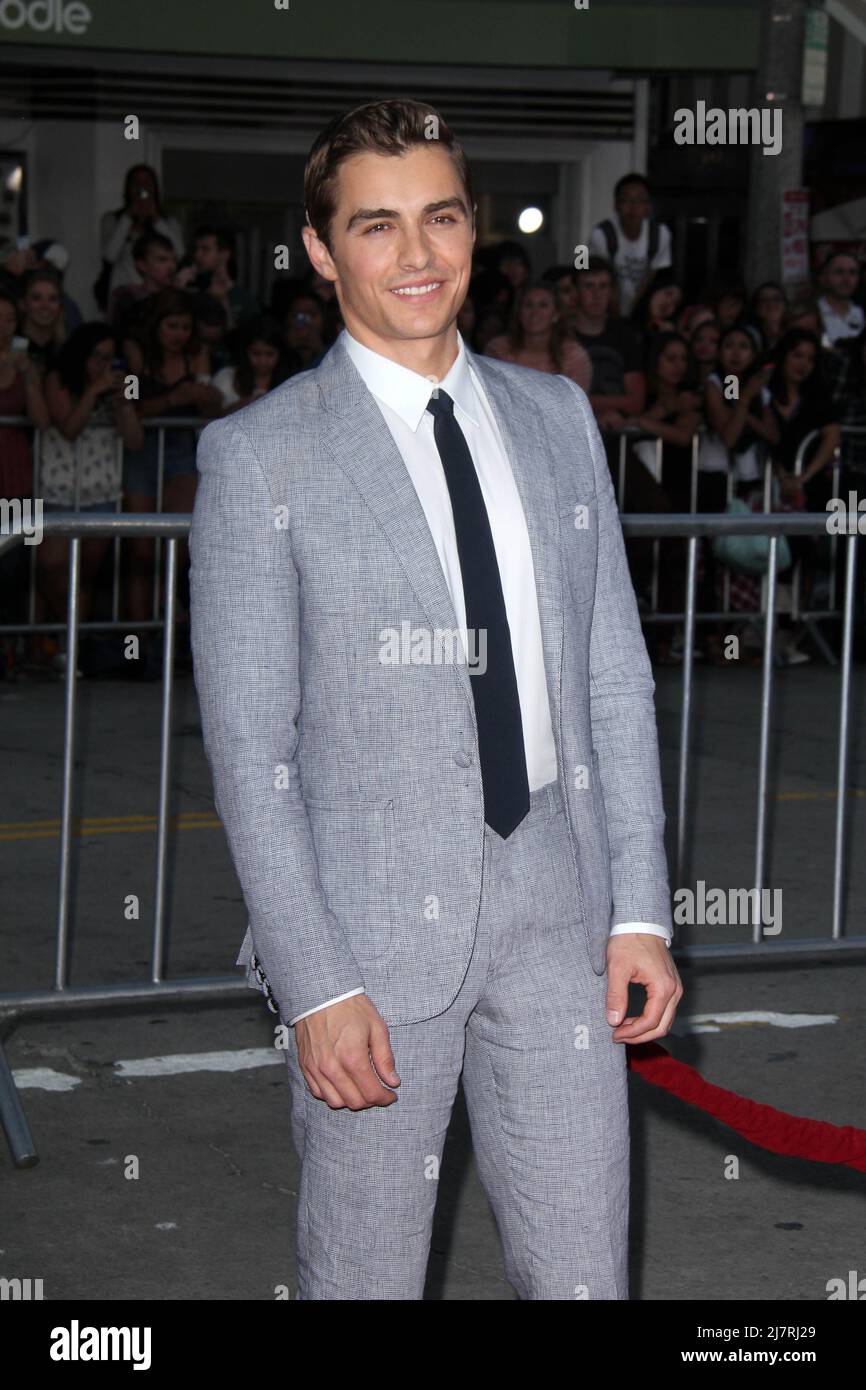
pixel 207 820
pixel 45 830
pixel 99 820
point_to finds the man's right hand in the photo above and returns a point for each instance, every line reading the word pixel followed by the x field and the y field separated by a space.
pixel 338 1048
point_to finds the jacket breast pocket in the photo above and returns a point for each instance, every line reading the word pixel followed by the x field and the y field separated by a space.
pixel 579 539
pixel 355 844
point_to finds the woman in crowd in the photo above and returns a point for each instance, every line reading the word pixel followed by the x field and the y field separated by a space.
pixel 42 319
pixel 119 230
pixel 744 421
pixel 262 365
pixel 729 459
pixel 728 302
pixel 493 297
pixel 537 337
pixel 212 331
pixel 81 456
pixel 656 309
pixel 704 344
pixel 174 380
pixel 802 405
pixel 513 262
pixel 305 330
pixel 767 309
pixel 691 318
pixel 672 415
pixel 21 395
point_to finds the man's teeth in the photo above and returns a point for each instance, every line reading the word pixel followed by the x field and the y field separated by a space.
pixel 419 289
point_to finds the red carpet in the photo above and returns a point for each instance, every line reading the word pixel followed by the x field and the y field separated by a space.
pixel 793 1135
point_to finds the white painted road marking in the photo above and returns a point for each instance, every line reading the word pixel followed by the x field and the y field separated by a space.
pixel 714 1023
pixel 240 1060
pixel 44 1079
pixel 246 1058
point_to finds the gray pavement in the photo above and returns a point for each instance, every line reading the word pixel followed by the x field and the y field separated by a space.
pixel 211 1213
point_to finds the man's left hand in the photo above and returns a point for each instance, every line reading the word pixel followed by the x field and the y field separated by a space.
pixel 644 959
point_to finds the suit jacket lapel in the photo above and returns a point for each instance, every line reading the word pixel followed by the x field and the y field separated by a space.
pixel 362 445
pixel 521 425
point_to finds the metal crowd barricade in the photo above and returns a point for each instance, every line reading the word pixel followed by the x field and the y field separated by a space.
pixel 810 618
pixel 172 528
pixel 115 623
pixel 773 525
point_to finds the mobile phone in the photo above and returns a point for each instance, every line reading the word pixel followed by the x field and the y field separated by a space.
pixel 23 243
pixel 20 344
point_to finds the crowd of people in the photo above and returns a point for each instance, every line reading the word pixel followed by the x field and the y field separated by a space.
pixel 747 371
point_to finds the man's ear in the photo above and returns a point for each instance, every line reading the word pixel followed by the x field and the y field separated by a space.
pixel 320 256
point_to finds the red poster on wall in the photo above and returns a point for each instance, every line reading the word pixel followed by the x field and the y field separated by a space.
pixel 795 235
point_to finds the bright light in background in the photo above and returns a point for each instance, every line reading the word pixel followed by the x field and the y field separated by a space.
pixel 13 181
pixel 530 219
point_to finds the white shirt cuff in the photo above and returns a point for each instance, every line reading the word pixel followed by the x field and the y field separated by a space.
pixel 651 928
pixel 347 995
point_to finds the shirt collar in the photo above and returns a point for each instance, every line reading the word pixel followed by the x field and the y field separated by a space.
pixel 407 392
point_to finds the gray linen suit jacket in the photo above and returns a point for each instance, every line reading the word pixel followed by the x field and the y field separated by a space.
pixel 350 788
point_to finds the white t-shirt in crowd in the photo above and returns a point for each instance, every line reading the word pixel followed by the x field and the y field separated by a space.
pixel 836 326
pixel 224 381
pixel 631 261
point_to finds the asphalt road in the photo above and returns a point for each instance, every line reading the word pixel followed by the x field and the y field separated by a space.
pixel 210 1213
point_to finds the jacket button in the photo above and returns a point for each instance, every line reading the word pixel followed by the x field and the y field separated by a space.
pixel 462 758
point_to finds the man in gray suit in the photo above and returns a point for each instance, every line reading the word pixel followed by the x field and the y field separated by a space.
pixel 428 709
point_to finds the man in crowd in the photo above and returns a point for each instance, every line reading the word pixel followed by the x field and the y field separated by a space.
pixel 618 388
pixel 839 279
pixel 213 271
pixel 156 262
pixel 632 240
pixel 564 281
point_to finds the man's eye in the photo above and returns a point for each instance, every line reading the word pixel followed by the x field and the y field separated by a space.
pixel 375 226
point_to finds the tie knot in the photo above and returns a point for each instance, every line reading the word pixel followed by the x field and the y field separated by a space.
pixel 440 404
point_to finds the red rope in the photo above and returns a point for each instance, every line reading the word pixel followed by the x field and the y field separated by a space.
pixel 794 1135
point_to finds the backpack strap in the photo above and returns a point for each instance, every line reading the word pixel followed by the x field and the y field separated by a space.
pixel 609 233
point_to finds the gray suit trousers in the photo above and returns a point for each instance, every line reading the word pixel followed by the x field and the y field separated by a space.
pixel 546 1093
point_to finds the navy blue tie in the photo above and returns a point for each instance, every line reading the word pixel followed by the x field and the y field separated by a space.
pixel 494 689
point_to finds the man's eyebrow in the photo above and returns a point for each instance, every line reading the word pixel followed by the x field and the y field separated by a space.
pixel 381 214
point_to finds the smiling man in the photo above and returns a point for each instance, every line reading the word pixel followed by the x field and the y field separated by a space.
pixel 452 869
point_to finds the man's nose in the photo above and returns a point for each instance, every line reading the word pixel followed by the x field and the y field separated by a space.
pixel 414 248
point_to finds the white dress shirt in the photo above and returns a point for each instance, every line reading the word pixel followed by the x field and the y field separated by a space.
pixel 402 397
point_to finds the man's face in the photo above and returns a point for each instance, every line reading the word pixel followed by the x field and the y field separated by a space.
pixel 158 266
pixel 593 293
pixel 633 204
pixel 401 244
pixel 566 294
pixel 207 253
pixel 841 276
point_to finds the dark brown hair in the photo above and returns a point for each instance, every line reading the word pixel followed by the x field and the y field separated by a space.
pixel 381 127
pixel 559 331
pixel 168 303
